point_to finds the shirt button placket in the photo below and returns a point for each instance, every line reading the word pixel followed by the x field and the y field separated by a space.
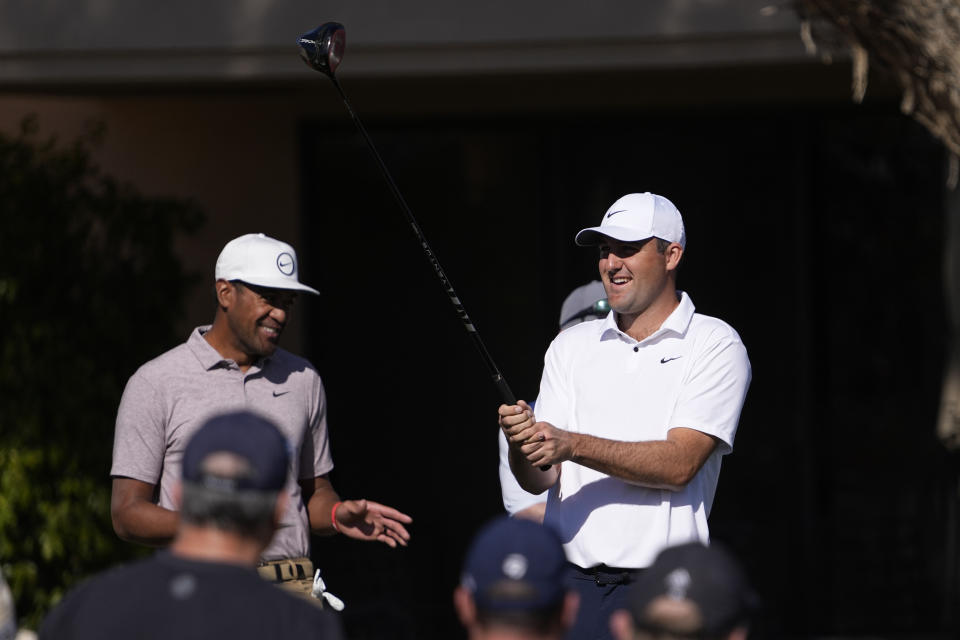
pixel 635 359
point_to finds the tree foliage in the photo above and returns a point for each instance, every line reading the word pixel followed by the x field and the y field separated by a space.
pixel 917 41
pixel 89 289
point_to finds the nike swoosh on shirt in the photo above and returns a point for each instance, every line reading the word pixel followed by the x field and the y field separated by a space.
pixel 666 360
pixel 277 394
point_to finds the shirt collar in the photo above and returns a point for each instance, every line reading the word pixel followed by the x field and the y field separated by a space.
pixel 204 352
pixel 209 357
pixel 677 322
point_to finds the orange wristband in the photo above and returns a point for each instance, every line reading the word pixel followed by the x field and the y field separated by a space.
pixel 333 516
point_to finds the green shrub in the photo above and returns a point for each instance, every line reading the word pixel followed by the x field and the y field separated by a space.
pixel 90 288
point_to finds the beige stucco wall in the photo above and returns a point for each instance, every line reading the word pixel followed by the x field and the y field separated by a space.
pixel 235 157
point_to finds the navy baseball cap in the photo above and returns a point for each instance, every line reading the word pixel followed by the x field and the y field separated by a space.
pixel 248 436
pixel 513 565
pixel 708 580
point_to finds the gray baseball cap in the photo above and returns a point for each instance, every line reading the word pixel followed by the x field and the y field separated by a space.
pixel 584 303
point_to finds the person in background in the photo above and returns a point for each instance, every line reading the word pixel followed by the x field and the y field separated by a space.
pixel 586 302
pixel 691 592
pixel 511 587
pixel 205 585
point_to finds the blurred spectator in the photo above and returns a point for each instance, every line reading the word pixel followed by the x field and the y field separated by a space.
pixel 512 584
pixel 691 592
pixel 205 585
pixel 586 302
pixel 8 616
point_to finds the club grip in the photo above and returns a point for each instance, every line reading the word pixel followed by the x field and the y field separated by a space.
pixel 508 398
pixel 506 395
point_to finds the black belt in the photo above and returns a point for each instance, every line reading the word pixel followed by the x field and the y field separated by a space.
pixel 603 575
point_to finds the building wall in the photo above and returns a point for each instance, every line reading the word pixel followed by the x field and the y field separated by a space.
pixel 235 148
pixel 237 158
pixel 226 40
pixel 203 100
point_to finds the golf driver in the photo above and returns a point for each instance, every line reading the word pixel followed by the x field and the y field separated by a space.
pixel 322 49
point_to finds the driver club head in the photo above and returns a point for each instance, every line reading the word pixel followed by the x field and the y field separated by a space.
pixel 322 48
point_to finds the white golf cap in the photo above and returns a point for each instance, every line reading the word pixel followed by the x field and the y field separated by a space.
pixel 260 260
pixel 637 216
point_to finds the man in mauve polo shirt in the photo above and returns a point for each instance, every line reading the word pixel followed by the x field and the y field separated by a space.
pixel 634 413
pixel 235 364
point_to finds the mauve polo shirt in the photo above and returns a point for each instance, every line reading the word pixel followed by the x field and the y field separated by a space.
pixel 169 398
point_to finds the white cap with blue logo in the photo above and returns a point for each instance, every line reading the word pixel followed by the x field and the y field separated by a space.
pixel 260 260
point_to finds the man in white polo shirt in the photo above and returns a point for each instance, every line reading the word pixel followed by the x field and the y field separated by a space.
pixel 634 413
pixel 236 364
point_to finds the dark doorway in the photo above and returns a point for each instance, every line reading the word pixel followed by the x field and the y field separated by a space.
pixel 817 235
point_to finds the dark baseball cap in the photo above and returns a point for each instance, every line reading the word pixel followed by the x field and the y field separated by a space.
pixel 514 565
pixel 246 435
pixel 707 582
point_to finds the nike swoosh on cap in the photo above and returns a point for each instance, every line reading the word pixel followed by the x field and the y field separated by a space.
pixel 617 211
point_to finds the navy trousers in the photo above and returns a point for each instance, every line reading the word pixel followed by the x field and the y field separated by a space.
pixel 602 591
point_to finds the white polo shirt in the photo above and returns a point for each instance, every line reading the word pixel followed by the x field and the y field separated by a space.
pixel 693 372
